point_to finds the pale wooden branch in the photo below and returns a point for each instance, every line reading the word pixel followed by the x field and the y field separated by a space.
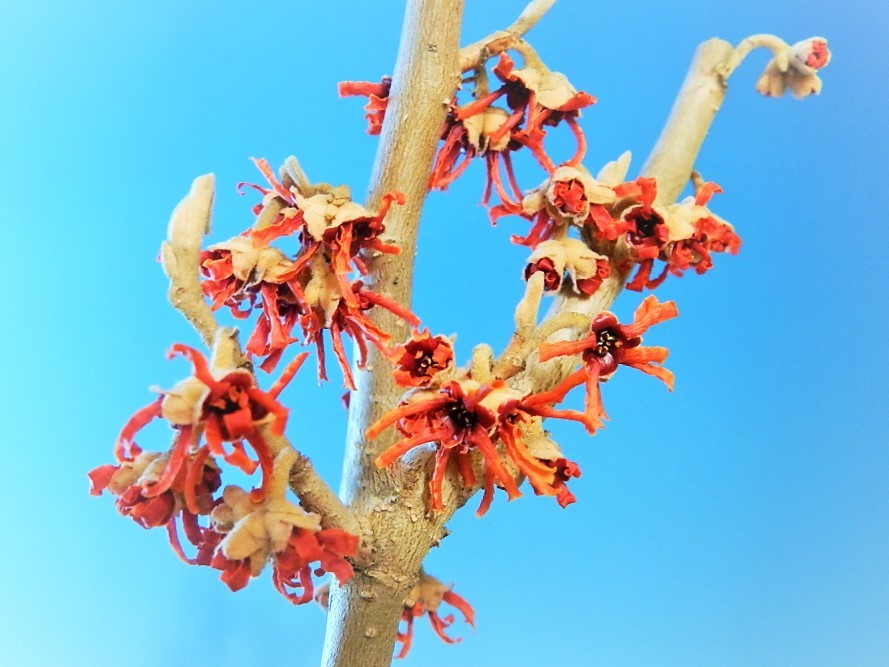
pixel 775 44
pixel 181 256
pixel 673 157
pixel 477 53
pixel 364 613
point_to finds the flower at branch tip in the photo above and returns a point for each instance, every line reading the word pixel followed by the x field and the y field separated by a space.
pixel 608 345
pixel 377 95
pixel 277 530
pixel 795 68
pixel 426 598
pixel 423 357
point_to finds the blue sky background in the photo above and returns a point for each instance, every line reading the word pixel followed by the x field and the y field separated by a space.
pixel 741 520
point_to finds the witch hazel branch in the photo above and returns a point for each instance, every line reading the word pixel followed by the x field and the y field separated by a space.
pixel 303 278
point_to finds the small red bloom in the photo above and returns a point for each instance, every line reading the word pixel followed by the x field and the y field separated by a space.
pixel 190 494
pixel 426 598
pixel 608 345
pixel 647 231
pixel 292 566
pixel 421 358
pixel 377 95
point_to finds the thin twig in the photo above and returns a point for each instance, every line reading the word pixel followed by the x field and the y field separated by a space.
pixel 181 255
pixel 313 492
pixel 476 53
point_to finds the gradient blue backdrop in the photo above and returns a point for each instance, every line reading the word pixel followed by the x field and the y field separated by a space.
pixel 741 520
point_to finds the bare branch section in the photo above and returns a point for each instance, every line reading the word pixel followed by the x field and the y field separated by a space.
pixel 672 160
pixel 313 492
pixel 181 254
pixel 476 53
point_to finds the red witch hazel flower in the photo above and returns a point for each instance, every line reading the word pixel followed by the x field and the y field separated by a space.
pixel 542 98
pixel 422 359
pixel 377 95
pixel 487 134
pixel 223 404
pixel 254 533
pixel 695 233
pixel 315 291
pixel 682 235
pixel 426 598
pixel 647 232
pixel 608 345
pixel 464 417
pixel 190 494
pixel 458 422
pixel 570 196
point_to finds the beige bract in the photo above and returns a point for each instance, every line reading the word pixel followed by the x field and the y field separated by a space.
pixel 553 90
pixel 330 207
pixel 581 263
pixel 250 264
pixel 481 126
pixel 144 467
pixel 257 530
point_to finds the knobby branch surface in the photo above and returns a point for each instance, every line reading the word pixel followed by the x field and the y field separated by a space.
pixel 364 613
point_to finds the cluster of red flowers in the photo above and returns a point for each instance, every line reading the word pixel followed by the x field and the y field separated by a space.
pixel 465 419
pixel 316 289
pixel 614 217
pixel 207 410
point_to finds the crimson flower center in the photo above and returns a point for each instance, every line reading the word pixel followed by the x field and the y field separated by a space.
pixel 606 342
pixel 461 416
pixel 645 223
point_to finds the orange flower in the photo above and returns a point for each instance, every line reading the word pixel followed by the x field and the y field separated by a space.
pixel 608 345
pixel 463 417
pixel 458 421
pixel 426 598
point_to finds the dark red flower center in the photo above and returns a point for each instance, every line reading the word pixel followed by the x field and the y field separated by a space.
pixel 645 224
pixel 607 341
pixel 460 416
